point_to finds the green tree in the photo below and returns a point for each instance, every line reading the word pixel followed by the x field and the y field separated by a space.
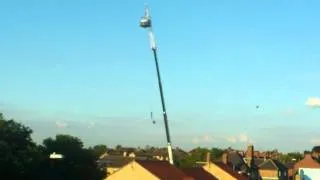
pixel 99 150
pixel 290 157
pixel 216 154
pixel 295 156
pixel 118 147
pixel 196 155
pixel 17 150
pixel 77 163
pixel 306 152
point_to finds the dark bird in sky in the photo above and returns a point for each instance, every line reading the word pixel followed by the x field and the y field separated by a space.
pixel 151 117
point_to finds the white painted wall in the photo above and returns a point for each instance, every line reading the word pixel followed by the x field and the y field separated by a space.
pixel 309 174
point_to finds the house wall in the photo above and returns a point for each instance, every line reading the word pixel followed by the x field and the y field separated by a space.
pixel 267 174
pixel 132 171
pixel 290 172
pixel 218 172
pixel 132 155
pixel 315 154
pixel 309 173
pixel 273 174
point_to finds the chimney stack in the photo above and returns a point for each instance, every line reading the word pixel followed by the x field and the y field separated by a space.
pixel 225 158
pixel 208 158
pixel 250 154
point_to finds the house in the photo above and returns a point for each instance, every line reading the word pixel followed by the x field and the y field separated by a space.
pixel 308 168
pixel 247 164
pixel 235 160
pixel 125 151
pixel 217 170
pixel 162 154
pixel 150 170
pixel 254 166
pixel 223 171
pixel 274 154
pixel 113 160
pixel 113 163
pixel 290 167
pixel 316 152
pixel 273 169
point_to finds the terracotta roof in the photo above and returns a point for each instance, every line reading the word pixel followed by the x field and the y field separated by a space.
pixel 230 171
pixel 198 173
pixel 307 162
pixel 164 170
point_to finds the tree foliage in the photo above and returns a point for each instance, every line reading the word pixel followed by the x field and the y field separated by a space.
pixel 16 149
pixel 99 150
pixel 216 154
pixel 199 155
pixel 21 158
pixel 290 157
pixel 78 162
pixel 196 155
pixel 118 147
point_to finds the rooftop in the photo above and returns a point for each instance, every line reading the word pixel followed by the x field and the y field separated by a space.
pixel 307 162
pixel 198 173
pixel 272 164
pixel 163 170
pixel 230 171
pixel 117 160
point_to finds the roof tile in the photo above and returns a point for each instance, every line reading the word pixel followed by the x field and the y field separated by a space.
pixel 198 173
pixel 164 170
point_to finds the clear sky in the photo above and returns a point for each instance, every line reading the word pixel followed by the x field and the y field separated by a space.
pixel 85 68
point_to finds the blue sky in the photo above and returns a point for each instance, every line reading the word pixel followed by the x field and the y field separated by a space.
pixel 85 68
